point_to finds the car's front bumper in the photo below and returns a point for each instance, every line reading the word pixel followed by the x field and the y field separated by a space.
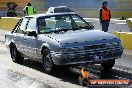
pixel 77 58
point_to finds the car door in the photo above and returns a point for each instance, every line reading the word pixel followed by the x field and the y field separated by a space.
pixel 19 35
pixel 30 41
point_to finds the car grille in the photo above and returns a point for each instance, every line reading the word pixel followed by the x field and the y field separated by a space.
pixel 94 47
pixel 106 52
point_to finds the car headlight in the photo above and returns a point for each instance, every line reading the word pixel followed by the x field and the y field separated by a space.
pixel 72 49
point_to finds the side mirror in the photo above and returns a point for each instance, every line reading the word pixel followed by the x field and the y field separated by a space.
pixel 32 33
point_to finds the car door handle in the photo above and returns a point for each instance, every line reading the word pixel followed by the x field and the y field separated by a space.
pixel 25 40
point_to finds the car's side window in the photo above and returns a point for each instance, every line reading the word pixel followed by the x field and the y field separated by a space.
pixel 15 30
pixel 46 24
pixel 22 26
pixel 31 26
pixel 41 25
pixel 50 22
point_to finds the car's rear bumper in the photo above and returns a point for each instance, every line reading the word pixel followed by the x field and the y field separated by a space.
pixel 83 58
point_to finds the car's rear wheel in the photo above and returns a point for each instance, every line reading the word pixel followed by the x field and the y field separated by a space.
pixel 15 55
pixel 48 64
pixel 108 65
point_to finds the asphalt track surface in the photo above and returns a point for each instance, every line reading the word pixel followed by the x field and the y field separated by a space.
pixel 30 74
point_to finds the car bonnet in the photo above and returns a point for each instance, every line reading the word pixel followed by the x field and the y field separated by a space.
pixel 91 36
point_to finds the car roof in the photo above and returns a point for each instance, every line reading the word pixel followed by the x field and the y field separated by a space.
pixel 48 14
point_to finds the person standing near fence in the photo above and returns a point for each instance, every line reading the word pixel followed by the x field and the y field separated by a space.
pixel 105 16
pixel 29 10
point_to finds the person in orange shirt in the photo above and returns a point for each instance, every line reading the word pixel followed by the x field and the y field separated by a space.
pixel 105 16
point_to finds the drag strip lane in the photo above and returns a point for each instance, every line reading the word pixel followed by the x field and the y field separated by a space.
pixel 31 74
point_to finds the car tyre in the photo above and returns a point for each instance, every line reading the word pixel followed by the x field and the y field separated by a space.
pixel 48 65
pixel 15 55
pixel 108 65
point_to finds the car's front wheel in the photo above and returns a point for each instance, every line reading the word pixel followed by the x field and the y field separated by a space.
pixel 15 55
pixel 108 65
pixel 48 64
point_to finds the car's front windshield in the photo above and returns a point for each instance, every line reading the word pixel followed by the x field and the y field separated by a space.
pixel 59 23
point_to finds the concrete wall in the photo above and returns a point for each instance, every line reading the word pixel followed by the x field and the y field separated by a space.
pixel 8 23
pixel 126 39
